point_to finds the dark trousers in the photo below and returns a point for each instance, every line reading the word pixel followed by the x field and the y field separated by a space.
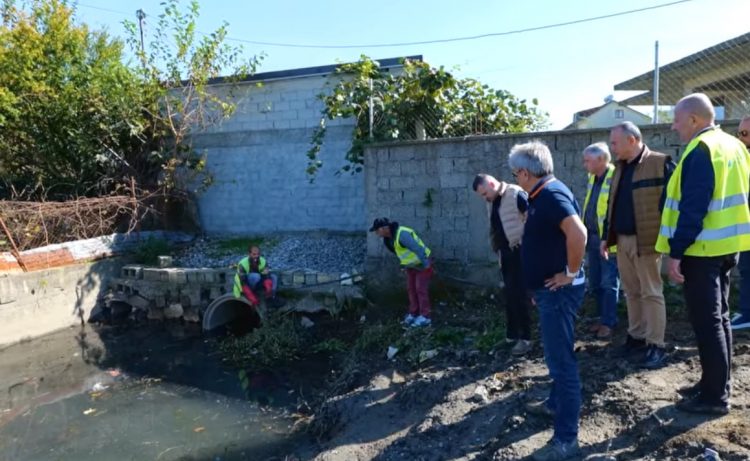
pixel 707 299
pixel 744 264
pixel 517 305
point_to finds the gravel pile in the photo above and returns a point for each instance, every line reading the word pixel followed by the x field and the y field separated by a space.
pixel 332 253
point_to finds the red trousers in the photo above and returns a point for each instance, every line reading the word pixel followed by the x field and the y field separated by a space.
pixel 418 286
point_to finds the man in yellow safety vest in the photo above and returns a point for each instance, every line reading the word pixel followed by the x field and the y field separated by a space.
pixel 704 225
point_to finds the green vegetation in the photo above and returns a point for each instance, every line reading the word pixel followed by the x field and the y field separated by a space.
pixel 420 101
pixel 148 252
pixel 241 244
pixel 79 119
pixel 280 340
pixel 330 345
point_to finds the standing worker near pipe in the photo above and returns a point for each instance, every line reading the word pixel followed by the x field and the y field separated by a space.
pixel 414 257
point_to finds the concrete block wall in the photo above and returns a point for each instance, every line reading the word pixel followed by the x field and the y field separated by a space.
pixel 453 221
pixel 35 303
pixel 258 161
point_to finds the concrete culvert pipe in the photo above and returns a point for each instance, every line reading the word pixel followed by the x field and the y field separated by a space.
pixel 228 311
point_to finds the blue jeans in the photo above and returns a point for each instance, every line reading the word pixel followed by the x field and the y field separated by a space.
pixel 604 284
pixel 254 278
pixel 744 267
pixel 557 315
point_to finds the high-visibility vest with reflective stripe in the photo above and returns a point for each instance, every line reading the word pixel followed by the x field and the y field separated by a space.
pixel 245 265
pixel 726 226
pixel 406 256
pixel 601 201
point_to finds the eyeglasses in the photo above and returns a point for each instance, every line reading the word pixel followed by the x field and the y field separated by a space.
pixel 743 133
pixel 514 174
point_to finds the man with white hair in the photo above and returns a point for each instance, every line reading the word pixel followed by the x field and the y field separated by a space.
pixel 604 279
pixel 552 249
pixel 705 224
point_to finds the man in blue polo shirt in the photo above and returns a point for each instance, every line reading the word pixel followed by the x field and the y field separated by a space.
pixel 552 249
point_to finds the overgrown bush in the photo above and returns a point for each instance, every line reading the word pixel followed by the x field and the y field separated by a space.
pixel 279 340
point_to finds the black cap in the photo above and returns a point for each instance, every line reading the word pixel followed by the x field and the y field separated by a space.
pixel 378 223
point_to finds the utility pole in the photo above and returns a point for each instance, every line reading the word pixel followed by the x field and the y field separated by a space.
pixel 141 15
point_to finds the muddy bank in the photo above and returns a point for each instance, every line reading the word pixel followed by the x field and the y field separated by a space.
pixel 468 403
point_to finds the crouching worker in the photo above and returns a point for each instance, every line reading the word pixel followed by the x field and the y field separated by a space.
pixel 414 257
pixel 252 271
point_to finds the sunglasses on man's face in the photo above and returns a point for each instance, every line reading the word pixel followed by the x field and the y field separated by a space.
pixel 743 133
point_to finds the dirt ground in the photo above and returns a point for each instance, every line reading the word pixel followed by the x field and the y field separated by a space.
pixel 464 404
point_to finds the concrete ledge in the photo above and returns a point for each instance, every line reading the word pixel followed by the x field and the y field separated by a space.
pixel 36 303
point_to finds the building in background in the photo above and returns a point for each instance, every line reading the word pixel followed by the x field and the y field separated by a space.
pixel 607 115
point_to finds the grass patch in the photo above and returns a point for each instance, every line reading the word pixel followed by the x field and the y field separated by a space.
pixel 448 336
pixel 377 337
pixel 279 340
pixel 492 337
pixel 331 346
pixel 148 251
pixel 241 244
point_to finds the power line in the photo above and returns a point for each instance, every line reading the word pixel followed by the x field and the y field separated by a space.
pixel 444 40
pixel 459 39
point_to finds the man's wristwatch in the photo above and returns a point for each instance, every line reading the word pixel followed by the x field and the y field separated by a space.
pixel 570 274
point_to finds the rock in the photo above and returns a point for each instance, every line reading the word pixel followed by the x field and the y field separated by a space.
pixel 516 421
pixel 306 322
pixel 173 311
pixel 191 315
pixel 397 378
pixel 481 395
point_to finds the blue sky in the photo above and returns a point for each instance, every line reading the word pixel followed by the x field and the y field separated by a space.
pixel 567 68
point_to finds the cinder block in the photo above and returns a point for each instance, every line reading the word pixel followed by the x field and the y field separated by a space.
pixel 177 276
pixel 299 278
pixel 151 274
pixel 311 279
pixel 325 278
pixel 193 276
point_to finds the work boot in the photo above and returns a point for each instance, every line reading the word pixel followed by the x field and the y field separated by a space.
pixel 631 347
pixel 408 320
pixel 421 321
pixel 557 451
pixel 697 405
pixel 690 391
pixel 655 357
pixel 540 408
pixel 522 347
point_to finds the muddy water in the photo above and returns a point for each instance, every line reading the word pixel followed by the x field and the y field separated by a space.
pixel 160 393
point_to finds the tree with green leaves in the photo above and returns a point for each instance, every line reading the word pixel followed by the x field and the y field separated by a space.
pixel 77 118
pixel 420 102
pixel 66 103
pixel 175 71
